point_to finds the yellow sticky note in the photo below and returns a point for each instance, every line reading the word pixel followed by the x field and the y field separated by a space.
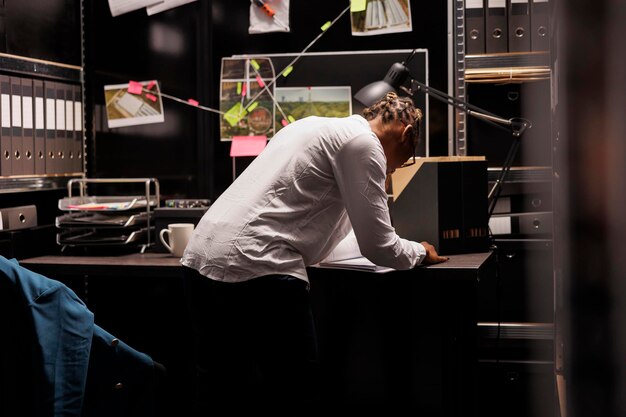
pixel 357 6
pixel 291 119
pixel 287 71
pixel 235 114
pixel 252 106
pixel 239 88
pixel 255 64
pixel 326 26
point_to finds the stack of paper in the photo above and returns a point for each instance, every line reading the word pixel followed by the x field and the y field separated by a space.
pixel 348 256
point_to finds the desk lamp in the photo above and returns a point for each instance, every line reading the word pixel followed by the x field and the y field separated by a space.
pixel 395 81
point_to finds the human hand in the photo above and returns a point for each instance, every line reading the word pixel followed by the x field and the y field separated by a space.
pixel 431 255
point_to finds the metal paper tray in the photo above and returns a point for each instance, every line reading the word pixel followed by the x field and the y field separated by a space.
pixel 101 220
pixel 105 204
pixel 98 237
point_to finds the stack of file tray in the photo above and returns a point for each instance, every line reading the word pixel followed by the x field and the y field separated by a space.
pixel 105 221
pixel 109 222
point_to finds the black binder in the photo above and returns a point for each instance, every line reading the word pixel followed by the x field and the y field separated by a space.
pixel 78 129
pixel 17 142
pixel 474 27
pixel 496 30
pixel 39 127
pixel 50 130
pixel 69 128
pixel 28 132
pixel 61 141
pixel 540 25
pixel 519 25
pixel 6 164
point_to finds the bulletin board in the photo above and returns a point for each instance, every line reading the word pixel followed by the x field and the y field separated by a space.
pixel 337 71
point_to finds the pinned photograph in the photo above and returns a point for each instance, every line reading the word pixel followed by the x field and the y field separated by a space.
pixel 378 17
pixel 135 103
pixel 245 98
pixel 299 102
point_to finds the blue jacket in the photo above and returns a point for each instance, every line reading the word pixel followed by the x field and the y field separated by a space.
pixel 80 369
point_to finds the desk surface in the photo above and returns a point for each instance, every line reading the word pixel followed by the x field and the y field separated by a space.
pixel 161 264
pixel 133 259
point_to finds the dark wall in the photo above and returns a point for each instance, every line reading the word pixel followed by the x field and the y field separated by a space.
pixel 41 29
pixel 164 47
pixel 230 36
pixel 183 47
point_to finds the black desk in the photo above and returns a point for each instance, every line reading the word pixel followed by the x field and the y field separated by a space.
pixel 405 340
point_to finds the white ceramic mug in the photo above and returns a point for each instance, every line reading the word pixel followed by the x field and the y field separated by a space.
pixel 178 237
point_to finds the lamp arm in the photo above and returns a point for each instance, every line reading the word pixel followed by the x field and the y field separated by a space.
pixel 516 126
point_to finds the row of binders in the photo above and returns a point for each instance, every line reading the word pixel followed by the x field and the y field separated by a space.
pixel 501 26
pixel 41 127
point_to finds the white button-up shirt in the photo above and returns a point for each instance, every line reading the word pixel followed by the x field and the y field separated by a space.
pixel 317 178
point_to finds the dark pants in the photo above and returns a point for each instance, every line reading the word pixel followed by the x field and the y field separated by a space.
pixel 255 345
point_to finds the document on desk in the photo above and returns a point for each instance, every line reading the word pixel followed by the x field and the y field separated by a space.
pixel 347 255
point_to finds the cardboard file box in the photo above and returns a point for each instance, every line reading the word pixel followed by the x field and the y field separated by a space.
pixel 442 200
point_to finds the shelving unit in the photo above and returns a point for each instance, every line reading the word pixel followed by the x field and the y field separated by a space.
pixel 42 70
pixel 521 301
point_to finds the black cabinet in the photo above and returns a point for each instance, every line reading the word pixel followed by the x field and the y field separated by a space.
pixel 146 309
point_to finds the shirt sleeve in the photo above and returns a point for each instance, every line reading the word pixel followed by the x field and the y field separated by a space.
pixel 360 171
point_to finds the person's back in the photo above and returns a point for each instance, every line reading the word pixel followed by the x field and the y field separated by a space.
pixel 257 225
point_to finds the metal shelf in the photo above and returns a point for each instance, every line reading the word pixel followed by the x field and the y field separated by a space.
pixel 505 60
pixel 507 68
pixel 40 68
pixel 522 174
pixel 35 183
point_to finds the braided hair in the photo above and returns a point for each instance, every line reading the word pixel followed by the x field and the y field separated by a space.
pixel 391 107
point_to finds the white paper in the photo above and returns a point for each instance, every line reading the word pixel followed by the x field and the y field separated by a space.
pixel 127 109
pixel 130 103
pixel 60 114
pixel 39 113
pixel 27 103
pixel 262 23
pixel 348 248
pixel 78 116
pixel 166 5
pixel 347 255
pixel 69 115
pixel 382 17
pixel 6 110
pixel 50 125
pixel 16 113
pixel 500 225
pixel 119 7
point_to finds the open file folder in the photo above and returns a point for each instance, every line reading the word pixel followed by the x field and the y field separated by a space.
pixel 347 255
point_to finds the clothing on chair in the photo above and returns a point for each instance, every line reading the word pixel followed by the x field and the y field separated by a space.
pixel 80 369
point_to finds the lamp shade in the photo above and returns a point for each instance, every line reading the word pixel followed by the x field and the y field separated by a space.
pixel 371 93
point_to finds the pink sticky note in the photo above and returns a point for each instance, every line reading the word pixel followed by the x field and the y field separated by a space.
pixel 134 87
pixel 247 145
pixel 259 81
pixel 243 90
pixel 151 97
pixel 151 84
pixel 284 122
pixel 193 102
